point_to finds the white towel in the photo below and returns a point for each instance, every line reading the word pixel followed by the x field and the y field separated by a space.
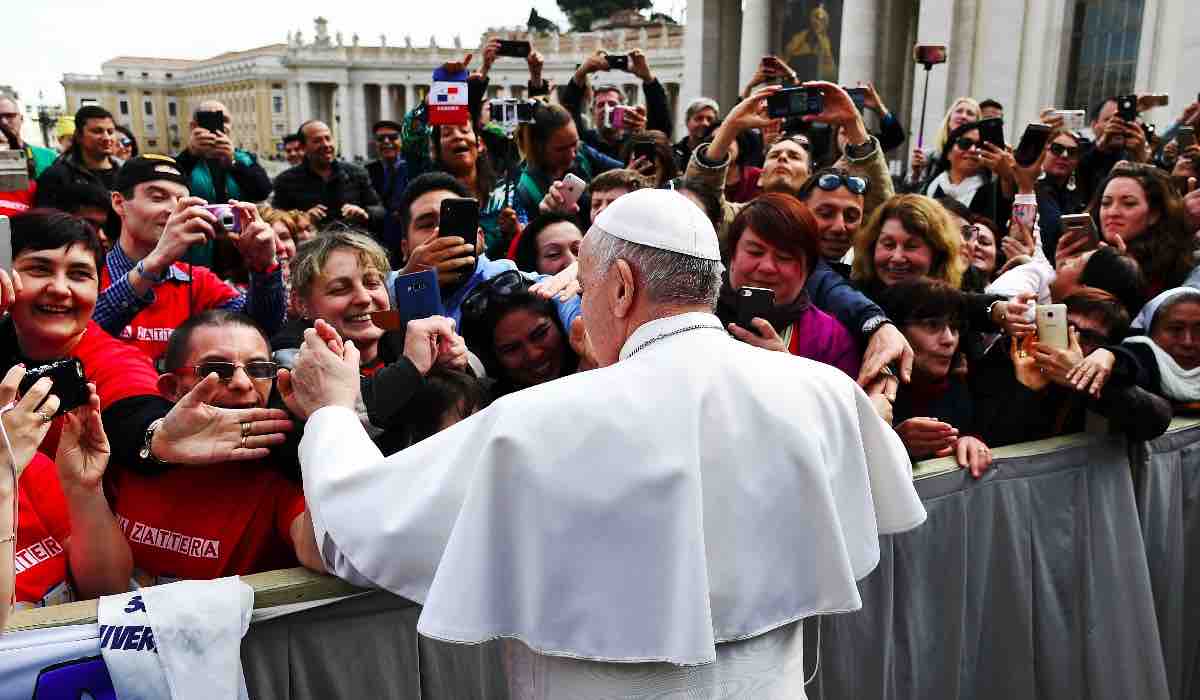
pixel 197 633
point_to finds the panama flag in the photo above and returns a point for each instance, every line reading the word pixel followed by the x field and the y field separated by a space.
pixel 448 103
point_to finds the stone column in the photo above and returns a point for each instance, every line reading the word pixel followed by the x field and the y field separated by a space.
pixel 304 105
pixel 385 101
pixel 756 33
pixel 344 118
pixel 358 129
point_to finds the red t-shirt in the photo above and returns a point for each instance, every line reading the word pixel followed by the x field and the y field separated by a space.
pixel 152 326
pixel 208 522
pixel 41 560
pixel 118 370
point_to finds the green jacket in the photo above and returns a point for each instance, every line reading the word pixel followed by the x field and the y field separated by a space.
pixel 42 158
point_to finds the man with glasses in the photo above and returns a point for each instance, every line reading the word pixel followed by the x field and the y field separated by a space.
pixel 389 177
pixel 222 519
pixel 12 119
pixel 835 198
pixel 218 172
pixel 146 292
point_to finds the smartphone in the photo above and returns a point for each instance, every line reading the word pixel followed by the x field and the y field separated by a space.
pixel 795 102
pixel 572 189
pixel 1033 142
pixel 1127 107
pixel 5 243
pixel 614 117
pixel 1072 119
pixel 929 54
pixel 70 384
pixel 514 49
pixel 213 121
pixel 417 296
pixel 753 302
pixel 619 61
pixel 1080 222
pixel 459 217
pixel 859 96
pixel 992 131
pixel 1185 136
pixel 1052 325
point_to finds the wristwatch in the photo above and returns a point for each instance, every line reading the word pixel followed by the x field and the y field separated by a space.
pixel 873 324
pixel 858 151
pixel 146 453
pixel 156 279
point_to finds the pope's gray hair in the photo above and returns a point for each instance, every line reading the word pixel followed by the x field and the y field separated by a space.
pixel 668 277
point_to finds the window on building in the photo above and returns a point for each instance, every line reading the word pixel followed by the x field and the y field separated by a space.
pixel 120 74
pixel 149 106
pixel 170 75
pixel 124 108
pixel 1104 48
pixel 172 109
pixel 145 74
pixel 152 143
pixel 277 104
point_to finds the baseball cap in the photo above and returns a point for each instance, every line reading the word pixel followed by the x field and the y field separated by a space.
pixel 148 168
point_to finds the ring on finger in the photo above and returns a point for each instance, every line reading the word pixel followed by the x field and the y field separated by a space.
pixel 243 444
pixel 245 429
pixel 45 416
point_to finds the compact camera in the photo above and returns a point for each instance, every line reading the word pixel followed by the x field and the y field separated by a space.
pixel 614 117
pixel 227 217
pixel 510 111
pixel 69 383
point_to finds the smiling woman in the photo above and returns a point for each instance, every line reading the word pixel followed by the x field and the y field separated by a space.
pixel 910 236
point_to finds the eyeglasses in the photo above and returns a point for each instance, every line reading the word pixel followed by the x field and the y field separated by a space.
pixel 257 370
pixel 970 231
pixel 1062 151
pixel 966 144
pixel 831 181
pixel 505 284
pixel 380 138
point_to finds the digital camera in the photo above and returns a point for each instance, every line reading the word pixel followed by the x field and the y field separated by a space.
pixel 227 217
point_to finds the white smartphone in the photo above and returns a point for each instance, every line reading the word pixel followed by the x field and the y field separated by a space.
pixel 1052 325
pixel 5 243
pixel 1072 119
pixel 572 189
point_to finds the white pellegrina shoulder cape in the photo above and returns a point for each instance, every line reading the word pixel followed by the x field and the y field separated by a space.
pixel 698 491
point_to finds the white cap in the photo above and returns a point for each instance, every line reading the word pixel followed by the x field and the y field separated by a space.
pixel 661 219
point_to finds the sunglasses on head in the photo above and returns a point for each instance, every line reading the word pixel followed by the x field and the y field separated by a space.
pixel 503 285
pixel 380 138
pixel 257 370
pixel 1062 151
pixel 966 144
pixel 831 181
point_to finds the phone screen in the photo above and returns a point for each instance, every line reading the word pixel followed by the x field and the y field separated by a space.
pixel 459 217
pixel 213 121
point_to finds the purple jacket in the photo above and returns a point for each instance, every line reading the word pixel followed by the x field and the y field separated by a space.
pixel 821 337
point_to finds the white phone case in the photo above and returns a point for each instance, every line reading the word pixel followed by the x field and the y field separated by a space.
pixel 572 188
pixel 1052 325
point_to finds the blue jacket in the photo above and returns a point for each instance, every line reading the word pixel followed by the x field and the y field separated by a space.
pixel 832 293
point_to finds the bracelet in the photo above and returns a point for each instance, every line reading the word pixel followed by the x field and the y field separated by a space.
pixel 141 270
pixel 1003 311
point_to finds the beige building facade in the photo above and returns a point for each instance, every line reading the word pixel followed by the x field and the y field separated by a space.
pixel 272 89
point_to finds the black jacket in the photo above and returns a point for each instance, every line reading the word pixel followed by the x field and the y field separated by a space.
pixel 69 170
pixel 301 188
pixel 658 115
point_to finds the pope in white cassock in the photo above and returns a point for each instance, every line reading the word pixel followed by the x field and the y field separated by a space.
pixel 661 523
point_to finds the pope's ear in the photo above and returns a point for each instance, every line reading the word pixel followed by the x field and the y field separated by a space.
pixel 623 288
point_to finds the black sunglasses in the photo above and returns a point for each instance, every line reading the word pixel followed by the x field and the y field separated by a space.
pixel 831 181
pixel 1064 151
pixel 257 370
pixel 505 284
pixel 966 144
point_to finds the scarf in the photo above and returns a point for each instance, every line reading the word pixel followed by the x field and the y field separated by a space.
pixel 1178 384
pixel 964 191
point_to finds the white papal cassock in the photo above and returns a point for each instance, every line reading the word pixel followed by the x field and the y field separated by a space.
pixel 698 492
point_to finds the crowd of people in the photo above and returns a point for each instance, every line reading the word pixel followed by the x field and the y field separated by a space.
pixel 158 441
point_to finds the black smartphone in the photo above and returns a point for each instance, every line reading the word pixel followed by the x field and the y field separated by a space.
pixel 753 302
pixel 213 121
pixel 1033 142
pixel 1185 137
pixel 459 217
pixel 618 61
pixel 1127 107
pixel 859 96
pixel 644 149
pixel 515 49
pixel 992 131
pixel 70 385
pixel 795 102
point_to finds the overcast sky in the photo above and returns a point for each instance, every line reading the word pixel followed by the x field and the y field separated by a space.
pixel 42 40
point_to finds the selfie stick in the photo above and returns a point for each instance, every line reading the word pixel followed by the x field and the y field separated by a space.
pixel 924 104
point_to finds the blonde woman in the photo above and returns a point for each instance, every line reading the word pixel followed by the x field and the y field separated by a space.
pixel 963 111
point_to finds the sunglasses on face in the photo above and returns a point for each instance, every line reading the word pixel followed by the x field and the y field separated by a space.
pixel 966 144
pixel 503 285
pixel 1063 151
pixel 381 138
pixel 831 181
pixel 257 370
pixel 970 231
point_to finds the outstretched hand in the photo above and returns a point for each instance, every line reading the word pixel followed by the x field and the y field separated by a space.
pixel 195 432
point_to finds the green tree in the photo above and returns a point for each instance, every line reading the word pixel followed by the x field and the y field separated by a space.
pixel 583 12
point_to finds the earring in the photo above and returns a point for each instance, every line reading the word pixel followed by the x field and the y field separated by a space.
pixel 1071 183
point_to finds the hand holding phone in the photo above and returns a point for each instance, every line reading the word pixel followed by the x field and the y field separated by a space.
pixel 1032 144
pixel 68 383
pixel 618 61
pixel 572 189
pixel 514 49
pixel 459 217
pixel 752 303
pixel 1052 326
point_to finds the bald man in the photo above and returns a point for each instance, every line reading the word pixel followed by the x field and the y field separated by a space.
pixel 12 119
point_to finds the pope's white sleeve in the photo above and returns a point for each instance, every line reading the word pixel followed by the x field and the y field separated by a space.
pixel 897 507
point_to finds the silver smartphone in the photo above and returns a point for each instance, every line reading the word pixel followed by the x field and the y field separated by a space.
pixel 1052 325
pixel 5 243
